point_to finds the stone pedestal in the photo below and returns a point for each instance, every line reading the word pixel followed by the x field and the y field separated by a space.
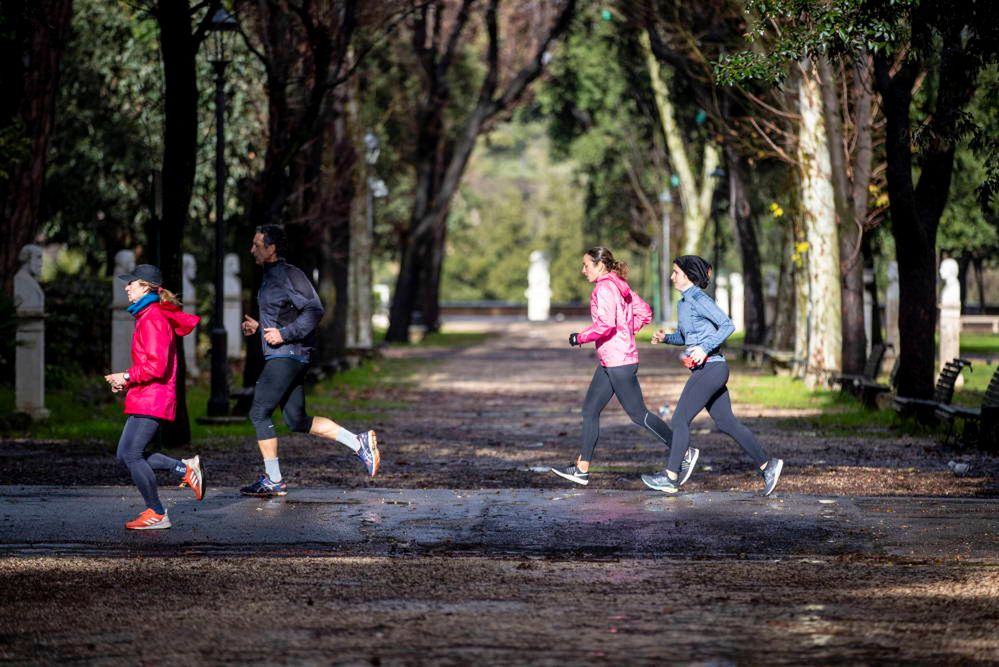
pixel 232 306
pixel 950 315
pixel 722 296
pixel 190 300
pixel 122 322
pixel 891 314
pixel 29 364
pixel 738 313
pixel 539 293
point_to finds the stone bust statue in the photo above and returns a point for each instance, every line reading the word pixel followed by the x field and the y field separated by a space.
pixel 28 294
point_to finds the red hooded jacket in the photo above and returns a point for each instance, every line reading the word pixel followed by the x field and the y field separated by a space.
pixel 152 382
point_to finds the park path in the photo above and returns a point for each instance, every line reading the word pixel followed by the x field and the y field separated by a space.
pixel 465 551
pixel 499 413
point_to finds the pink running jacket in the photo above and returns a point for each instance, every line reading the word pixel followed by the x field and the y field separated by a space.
pixel 617 313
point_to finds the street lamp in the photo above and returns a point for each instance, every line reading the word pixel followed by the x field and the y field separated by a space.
pixel 223 26
pixel 665 263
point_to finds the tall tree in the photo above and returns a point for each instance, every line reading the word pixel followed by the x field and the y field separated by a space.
pixel 182 30
pixel 32 41
pixel 441 157
pixel 945 43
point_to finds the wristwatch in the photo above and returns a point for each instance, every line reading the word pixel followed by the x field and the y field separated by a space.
pixel 126 376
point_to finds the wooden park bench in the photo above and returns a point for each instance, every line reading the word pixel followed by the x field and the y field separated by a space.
pixel 853 383
pixel 943 392
pixel 779 360
pixel 981 424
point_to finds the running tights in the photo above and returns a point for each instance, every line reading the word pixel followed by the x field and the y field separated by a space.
pixel 620 381
pixel 707 388
pixel 138 433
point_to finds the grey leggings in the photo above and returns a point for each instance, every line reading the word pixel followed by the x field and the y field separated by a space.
pixel 138 432
pixel 707 388
pixel 620 381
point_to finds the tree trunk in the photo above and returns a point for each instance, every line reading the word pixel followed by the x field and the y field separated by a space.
pixel 33 42
pixel 854 337
pixel 434 265
pixel 749 250
pixel 818 207
pixel 358 317
pixel 695 197
pixel 179 48
pixel 782 330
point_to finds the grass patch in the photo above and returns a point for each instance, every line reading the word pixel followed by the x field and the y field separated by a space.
pixel 84 411
pixel 980 344
pixel 444 338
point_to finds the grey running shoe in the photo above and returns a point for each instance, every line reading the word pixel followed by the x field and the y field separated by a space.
pixel 771 474
pixel 661 482
pixel 368 453
pixel 687 467
pixel 573 474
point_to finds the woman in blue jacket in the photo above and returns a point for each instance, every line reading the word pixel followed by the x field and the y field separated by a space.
pixel 702 327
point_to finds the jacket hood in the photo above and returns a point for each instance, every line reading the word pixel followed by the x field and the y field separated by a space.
pixel 620 283
pixel 181 322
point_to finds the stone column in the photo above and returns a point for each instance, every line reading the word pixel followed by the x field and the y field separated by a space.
pixel 738 313
pixel 29 368
pixel 539 293
pixel 891 311
pixel 950 315
pixel 122 322
pixel 722 295
pixel 190 299
pixel 232 306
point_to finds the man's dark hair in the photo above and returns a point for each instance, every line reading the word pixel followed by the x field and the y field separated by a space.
pixel 275 235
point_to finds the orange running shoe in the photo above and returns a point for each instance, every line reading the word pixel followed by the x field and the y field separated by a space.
pixel 194 477
pixel 149 520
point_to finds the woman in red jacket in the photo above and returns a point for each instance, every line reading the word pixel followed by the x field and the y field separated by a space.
pixel 151 383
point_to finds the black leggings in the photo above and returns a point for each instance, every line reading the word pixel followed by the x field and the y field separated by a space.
pixel 707 388
pixel 139 432
pixel 620 381
pixel 281 382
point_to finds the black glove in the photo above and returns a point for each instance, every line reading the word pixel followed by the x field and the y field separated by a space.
pixel 574 339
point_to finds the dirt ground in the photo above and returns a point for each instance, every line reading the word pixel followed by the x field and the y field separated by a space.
pixel 495 416
pixel 462 611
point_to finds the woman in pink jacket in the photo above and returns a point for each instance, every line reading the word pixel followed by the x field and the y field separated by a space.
pixel 151 383
pixel 617 313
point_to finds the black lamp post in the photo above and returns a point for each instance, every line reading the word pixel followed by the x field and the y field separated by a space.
pixel 223 26
pixel 718 174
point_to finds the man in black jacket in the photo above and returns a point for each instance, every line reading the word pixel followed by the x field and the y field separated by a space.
pixel 290 311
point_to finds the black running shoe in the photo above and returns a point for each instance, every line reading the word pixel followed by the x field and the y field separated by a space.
pixel 687 466
pixel 771 474
pixel 573 474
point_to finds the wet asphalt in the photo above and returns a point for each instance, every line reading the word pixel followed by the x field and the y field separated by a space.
pixel 557 522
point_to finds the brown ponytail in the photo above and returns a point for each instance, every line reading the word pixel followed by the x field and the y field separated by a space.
pixel 165 294
pixel 601 255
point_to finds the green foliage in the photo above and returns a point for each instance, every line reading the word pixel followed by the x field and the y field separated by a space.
pixel 78 327
pixel 601 115
pixel 514 201
pixel 784 31
pixel 108 136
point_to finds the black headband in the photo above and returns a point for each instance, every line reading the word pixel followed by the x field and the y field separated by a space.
pixel 696 269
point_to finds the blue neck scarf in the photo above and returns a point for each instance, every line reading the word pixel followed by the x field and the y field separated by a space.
pixel 141 304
